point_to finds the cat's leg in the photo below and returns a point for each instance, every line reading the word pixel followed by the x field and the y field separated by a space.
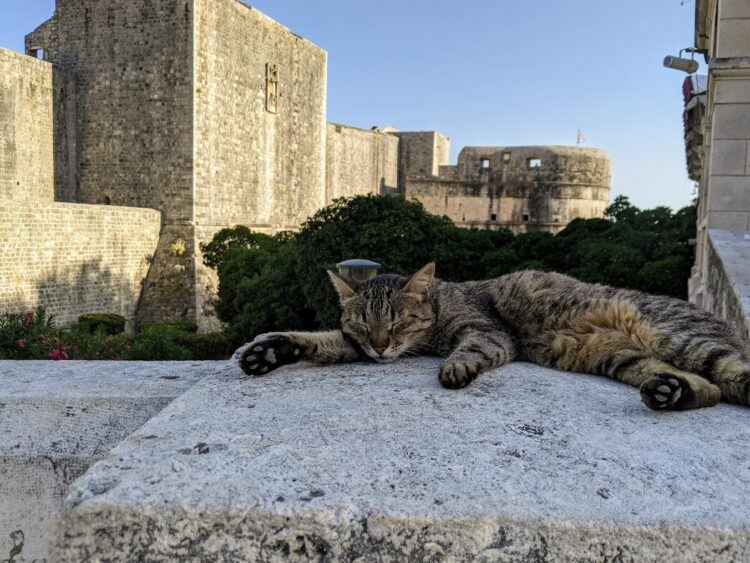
pixel 663 386
pixel 270 351
pixel 717 358
pixel 618 356
pixel 477 351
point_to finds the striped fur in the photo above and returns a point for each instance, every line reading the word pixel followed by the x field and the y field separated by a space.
pixel 680 356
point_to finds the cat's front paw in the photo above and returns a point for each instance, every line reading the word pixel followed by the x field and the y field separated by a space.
pixel 268 352
pixel 458 374
pixel 665 392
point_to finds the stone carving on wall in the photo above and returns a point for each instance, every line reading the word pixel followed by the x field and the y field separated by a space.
pixel 272 88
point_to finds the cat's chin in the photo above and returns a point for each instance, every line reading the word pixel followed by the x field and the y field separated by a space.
pixel 382 360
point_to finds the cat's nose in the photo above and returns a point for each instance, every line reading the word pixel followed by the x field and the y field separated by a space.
pixel 379 342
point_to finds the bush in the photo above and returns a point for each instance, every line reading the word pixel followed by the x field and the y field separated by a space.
pixel 157 344
pixel 109 323
pixel 25 336
pixel 279 283
pixel 34 336
pixel 178 326
pixel 213 346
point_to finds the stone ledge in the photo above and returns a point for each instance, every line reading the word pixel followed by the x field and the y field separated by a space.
pixel 728 284
pixel 59 418
pixel 379 462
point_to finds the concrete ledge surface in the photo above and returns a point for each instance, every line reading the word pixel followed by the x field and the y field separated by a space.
pixel 377 462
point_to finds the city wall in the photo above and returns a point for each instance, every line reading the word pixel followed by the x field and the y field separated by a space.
pixel 70 258
pixel 519 188
pixel 360 162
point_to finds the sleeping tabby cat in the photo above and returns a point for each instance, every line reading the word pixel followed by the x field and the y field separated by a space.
pixel 680 356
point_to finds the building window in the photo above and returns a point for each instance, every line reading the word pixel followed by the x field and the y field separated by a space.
pixel 107 201
pixel 525 217
pixel 493 216
pixel 485 164
pixel 533 163
pixel 36 52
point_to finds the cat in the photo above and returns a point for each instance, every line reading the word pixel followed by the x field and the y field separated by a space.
pixel 680 356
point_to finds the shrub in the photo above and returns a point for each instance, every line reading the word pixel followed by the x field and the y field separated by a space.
pixel 278 283
pixel 212 346
pixel 34 336
pixel 30 335
pixel 179 326
pixel 157 344
pixel 109 323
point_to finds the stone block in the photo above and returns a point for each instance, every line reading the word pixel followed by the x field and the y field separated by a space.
pixel 731 121
pixel 733 38
pixel 59 418
pixel 732 90
pixel 729 9
pixel 730 193
pixel 729 220
pixel 729 157
pixel 378 462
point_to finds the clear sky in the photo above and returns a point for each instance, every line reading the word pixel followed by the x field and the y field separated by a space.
pixel 498 72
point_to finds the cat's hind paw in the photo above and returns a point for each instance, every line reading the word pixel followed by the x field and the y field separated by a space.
pixel 666 391
pixel 267 353
pixel 457 374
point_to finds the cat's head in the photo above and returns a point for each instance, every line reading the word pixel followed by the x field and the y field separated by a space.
pixel 388 316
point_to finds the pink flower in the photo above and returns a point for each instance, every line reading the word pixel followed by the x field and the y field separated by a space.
pixel 57 340
pixel 27 319
pixel 57 355
pixel 22 343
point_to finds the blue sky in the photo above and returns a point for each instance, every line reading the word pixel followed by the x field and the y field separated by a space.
pixel 498 72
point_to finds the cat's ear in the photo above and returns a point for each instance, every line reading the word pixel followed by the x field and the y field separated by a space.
pixel 345 287
pixel 420 282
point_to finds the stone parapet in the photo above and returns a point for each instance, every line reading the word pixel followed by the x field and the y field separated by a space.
pixel 726 292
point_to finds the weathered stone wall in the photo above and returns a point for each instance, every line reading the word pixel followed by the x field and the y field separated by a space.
pixel 360 162
pixel 74 259
pixel 132 60
pixel 519 188
pixel 256 165
pixel 26 129
pixel 258 162
pixel 421 153
pixel 728 269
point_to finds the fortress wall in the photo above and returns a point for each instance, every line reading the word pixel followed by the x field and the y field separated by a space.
pixel 360 162
pixel 71 259
pixel 256 164
pixel 422 153
pixel 26 129
pixel 134 116
pixel 74 259
pixel 507 192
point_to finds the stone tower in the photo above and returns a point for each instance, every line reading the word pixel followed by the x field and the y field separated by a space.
pixel 205 110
